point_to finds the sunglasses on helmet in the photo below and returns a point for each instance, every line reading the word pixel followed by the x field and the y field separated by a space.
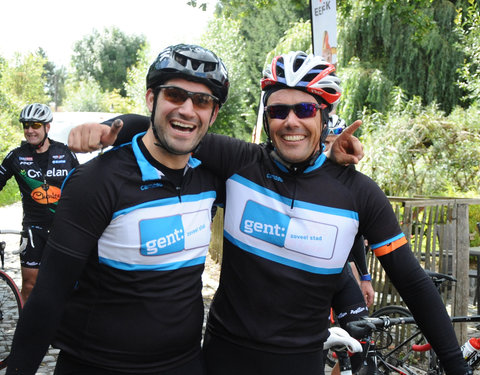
pixel 34 125
pixel 301 110
pixel 335 131
pixel 177 95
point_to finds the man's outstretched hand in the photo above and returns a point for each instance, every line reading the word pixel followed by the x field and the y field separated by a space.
pixel 347 149
pixel 92 136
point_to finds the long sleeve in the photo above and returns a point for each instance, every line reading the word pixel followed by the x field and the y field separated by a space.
pixel 43 311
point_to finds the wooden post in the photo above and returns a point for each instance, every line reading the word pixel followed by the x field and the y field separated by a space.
pixel 461 264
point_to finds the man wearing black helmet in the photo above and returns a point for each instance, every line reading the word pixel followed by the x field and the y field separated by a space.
pixel 119 291
pixel 291 216
pixel 39 166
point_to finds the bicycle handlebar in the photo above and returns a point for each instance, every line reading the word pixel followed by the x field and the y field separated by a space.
pixel 10 231
pixel 339 339
pixel 23 244
pixel 363 327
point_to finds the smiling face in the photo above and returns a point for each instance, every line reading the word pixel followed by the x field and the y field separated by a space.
pixel 295 139
pixel 35 136
pixel 180 125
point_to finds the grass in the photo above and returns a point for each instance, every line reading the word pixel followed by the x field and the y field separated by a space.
pixel 10 193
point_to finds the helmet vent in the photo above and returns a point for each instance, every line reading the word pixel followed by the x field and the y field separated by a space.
pixel 183 60
pixel 298 63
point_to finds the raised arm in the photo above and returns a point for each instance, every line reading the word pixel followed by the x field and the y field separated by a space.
pixel 115 131
pixel 347 149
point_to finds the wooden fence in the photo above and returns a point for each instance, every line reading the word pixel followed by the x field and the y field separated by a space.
pixel 438 232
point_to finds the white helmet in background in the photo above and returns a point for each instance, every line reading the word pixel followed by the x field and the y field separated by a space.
pixel 36 112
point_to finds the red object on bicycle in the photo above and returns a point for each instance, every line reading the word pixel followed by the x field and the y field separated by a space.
pixel 422 348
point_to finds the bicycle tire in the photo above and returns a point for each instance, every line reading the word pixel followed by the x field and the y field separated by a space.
pixel 11 304
pixel 396 342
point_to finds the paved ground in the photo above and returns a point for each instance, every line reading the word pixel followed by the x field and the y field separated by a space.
pixel 10 218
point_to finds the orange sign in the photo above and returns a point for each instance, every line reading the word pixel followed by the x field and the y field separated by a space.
pixel 42 196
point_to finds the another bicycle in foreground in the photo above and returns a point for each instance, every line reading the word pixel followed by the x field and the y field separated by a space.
pixel 11 304
pixel 393 342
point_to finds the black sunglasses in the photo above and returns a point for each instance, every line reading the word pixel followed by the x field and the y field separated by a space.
pixel 178 95
pixel 301 110
pixel 34 125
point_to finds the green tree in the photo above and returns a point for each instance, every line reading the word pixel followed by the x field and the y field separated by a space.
pixel 106 57
pixel 261 25
pixel 21 83
pixel 236 118
pixel 414 44
pixel 416 150
pixel 23 80
pixel 55 80
pixel 135 86
pixel 470 71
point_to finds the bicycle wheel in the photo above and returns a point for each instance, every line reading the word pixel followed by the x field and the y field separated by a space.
pixel 10 306
pixel 396 342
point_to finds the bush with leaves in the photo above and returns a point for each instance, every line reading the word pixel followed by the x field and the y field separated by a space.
pixel 417 150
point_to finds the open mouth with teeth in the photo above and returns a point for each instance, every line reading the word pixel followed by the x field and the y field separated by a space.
pixel 180 126
pixel 293 137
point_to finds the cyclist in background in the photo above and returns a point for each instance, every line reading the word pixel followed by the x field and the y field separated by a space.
pixel 353 295
pixel 39 165
pixel 357 259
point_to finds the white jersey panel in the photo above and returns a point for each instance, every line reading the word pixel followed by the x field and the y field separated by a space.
pixel 311 237
pixel 161 235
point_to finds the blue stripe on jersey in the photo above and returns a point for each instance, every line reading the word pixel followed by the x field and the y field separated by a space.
pixel 282 260
pixel 149 172
pixel 151 267
pixel 301 204
pixel 318 163
pixel 377 245
pixel 167 202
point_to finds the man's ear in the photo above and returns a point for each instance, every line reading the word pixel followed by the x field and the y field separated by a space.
pixel 149 99
pixel 213 117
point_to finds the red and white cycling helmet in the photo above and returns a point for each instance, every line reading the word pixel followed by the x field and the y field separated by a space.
pixel 305 72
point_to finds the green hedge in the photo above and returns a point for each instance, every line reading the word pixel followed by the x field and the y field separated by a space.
pixel 10 193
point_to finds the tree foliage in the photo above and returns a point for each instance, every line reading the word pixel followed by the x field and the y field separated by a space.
pixel 21 82
pixel 55 78
pixel 415 44
pixel 470 71
pixel 236 118
pixel 106 57
pixel 416 150
pixel 261 24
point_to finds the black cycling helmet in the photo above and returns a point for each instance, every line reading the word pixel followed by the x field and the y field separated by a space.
pixel 36 112
pixel 191 62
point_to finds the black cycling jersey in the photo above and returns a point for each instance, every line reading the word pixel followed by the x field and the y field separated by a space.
pixel 124 263
pixel 39 178
pixel 287 236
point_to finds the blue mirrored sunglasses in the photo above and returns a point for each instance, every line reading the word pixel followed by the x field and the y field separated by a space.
pixel 301 110
pixel 335 131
